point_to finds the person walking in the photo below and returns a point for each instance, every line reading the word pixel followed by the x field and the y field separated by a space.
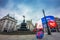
pixel 40 34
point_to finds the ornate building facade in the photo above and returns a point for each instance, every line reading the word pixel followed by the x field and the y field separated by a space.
pixel 58 21
pixel 30 25
pixel 8 24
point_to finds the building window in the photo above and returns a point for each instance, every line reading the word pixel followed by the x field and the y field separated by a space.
pixel 7 24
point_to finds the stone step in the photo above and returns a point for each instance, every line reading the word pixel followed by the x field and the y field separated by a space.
pixel 18 33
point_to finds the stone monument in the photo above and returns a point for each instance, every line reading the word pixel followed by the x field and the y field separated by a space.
pixel 23 25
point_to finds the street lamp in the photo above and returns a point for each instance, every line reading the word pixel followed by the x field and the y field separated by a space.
pixel 48 29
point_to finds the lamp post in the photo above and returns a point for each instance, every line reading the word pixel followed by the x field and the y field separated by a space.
pixel 48 29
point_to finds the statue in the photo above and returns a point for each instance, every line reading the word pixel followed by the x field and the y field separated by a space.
pixel 24 19
pixel 23 25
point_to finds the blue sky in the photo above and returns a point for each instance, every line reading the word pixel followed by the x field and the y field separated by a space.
pixel 32 9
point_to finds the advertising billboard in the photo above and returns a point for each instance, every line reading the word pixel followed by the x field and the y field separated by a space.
pixel 49 19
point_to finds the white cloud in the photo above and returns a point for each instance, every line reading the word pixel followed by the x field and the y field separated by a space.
pixel 16 13
pixel 53 12
pixel 30 13
pixel 25 10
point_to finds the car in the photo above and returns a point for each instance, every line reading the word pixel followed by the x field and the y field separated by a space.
pixel 53 30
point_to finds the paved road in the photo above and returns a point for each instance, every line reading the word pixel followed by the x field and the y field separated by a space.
pixel 54 36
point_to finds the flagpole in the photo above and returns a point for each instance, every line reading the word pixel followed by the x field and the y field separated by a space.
pixel 48 29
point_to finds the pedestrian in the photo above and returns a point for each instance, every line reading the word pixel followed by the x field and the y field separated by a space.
pixel 39 34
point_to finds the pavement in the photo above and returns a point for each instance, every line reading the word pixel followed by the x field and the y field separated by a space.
pixel 54 36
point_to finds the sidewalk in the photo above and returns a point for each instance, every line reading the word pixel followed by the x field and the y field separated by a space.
pixel 54 36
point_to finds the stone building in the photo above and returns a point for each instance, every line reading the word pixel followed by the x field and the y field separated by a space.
pixel 8 24
pixel 30 25
pixel 58 21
